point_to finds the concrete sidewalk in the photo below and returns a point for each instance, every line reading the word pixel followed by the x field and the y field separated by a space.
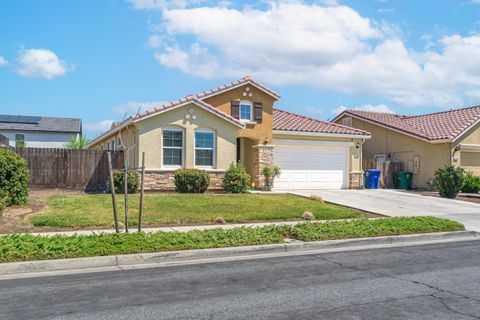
pixel 399 203
pixel 175 228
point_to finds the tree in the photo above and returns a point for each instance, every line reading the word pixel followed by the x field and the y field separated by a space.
pixel 77 143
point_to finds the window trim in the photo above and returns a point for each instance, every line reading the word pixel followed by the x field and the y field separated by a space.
pixel 174 166
pixel 22 135
pixel 250 104
pixel 214 148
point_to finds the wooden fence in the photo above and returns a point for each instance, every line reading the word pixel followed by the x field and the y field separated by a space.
pixel 64 168
pixel 388 170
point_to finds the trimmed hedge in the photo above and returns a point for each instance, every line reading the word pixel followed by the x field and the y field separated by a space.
pixel 14 177
pixel 191 181
pixel 449 181
pixel 236 179
pixel 133 182
pixel 472 183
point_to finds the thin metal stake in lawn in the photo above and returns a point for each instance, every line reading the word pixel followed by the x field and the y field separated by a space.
pixel 125 192
pixel 140 210
pixel 112 187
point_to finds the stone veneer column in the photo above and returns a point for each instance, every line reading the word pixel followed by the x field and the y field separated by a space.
pixel 262 155
pixel 355 180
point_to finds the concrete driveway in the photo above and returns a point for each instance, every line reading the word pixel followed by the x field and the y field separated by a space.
pixel 397 203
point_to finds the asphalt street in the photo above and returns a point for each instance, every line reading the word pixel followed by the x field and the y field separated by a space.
pixel 440 281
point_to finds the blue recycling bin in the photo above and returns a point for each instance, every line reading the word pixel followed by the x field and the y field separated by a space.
pixel 372 178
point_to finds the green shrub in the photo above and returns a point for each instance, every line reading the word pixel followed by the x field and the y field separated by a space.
pixel 236 179
pixel 472 183
pixel 191 181
pixel 14 176
pixel 4 201
pixel 449 181
pixel 133 182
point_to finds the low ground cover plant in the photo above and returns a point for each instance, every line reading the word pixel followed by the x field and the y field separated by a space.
pixel 191 181
pixel 14 177
pixel 24 247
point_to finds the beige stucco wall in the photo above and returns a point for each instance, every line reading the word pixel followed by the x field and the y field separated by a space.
pixel 403 148
pixel 259 131
pixel 355 154
pixel 470 161
pixel 129 138
pixel 150 136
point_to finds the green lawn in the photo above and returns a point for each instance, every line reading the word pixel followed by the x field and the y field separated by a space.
pixel 25 247
pixel 76 211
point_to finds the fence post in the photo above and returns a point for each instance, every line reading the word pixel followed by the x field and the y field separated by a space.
pixel 140 210
pixel 125 195
pixel 112 187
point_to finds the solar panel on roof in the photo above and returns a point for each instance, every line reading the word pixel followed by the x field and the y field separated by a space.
pixel 19 119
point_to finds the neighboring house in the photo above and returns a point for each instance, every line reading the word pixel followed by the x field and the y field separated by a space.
pixel 38 132
pixel 424 142
pixel 238 122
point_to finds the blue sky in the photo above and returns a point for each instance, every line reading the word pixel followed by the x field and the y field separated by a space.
pixel 99 59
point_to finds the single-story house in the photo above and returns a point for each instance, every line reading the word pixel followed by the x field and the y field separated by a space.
pixel 38 132
pixel 238 122
pixel 422 142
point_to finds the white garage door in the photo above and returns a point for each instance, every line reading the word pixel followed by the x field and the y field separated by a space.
pixel 311 167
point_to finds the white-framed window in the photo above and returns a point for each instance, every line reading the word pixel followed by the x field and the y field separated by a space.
pixel 245 110
pixel 204 148
pixel 173 147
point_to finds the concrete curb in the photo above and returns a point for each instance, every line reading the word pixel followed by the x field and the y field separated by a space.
pixel 205 254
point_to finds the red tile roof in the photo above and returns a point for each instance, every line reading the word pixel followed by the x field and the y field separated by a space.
pixel 184 100
pixel 446 125
pixel 199 97
pixel 228 86
pixel 288 121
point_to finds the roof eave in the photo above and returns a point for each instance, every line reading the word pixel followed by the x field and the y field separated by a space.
pixel 109 133
pixel 322 134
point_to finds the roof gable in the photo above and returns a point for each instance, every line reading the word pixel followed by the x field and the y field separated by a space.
pixel 183 102
pixel 434 127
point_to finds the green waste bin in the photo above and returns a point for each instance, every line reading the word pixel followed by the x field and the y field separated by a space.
pixel 404 180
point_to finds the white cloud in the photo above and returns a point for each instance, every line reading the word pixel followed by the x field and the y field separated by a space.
pixel 366 107
pixel 132 107
pixel 155 41
pixel 41 63
pixel 95 128
pixel 328 47
pixel 3 61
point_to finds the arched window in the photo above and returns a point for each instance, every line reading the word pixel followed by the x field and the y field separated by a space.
pixel 204 148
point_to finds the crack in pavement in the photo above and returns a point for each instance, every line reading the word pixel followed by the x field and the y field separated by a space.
pixel 380 274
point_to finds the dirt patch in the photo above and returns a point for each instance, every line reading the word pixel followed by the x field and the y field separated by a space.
pixel 15 218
